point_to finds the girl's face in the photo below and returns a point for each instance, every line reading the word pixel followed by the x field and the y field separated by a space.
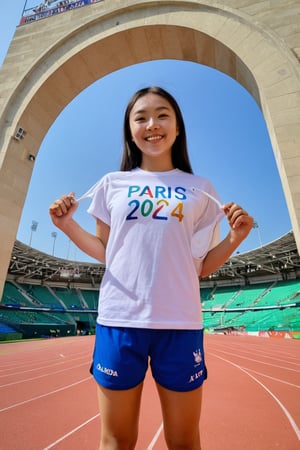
pixel 153 127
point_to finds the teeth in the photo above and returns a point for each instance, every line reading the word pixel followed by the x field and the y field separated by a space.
pixel 154 138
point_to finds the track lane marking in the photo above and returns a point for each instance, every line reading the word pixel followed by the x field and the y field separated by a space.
pixel 284 409
pixel 49 374
pixel 272 378
pixel 44 395
pixel 155 438
pixel 60 363
pixel 74 430
pixel 258 361
pixel 265 355
pixel 62 438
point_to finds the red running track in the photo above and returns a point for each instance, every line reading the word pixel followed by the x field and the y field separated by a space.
pixel 251 398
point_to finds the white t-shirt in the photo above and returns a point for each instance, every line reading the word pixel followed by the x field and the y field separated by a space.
pixel 151 277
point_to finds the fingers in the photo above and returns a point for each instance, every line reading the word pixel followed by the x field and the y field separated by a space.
pixel 61 206
pixel 237 216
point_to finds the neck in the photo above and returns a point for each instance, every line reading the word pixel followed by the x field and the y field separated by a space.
pixel 156 165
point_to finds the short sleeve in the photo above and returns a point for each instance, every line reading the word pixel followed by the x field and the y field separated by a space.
pixel 99 204
pixel 207 229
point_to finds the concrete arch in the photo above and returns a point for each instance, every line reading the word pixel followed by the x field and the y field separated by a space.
pixel 52 60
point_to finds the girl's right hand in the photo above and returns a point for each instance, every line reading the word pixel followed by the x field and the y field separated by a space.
pixel 62 210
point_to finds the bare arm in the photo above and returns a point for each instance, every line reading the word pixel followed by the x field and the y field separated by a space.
pixel 61 212
pixel 240 226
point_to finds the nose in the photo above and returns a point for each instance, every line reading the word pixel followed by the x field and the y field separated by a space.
pixel 152 124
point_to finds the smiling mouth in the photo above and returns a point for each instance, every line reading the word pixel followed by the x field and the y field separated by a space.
pixel 153 138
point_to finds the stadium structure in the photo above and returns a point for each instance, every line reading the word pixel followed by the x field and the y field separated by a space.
pixel 54 55
pixel 253 292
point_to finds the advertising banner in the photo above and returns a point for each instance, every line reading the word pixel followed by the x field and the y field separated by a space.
pixel 50 8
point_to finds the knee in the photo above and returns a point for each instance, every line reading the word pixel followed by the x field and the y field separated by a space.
pixel 113 442
pixel 183 442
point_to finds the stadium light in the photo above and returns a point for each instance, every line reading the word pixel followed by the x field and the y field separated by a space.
pixel 255 225
pixel 34 225
pixel 54 235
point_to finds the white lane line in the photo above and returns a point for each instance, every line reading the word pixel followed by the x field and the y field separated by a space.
pixel 286 412
pixel 272 378
pixel 71 432
pixel 264 354
pixel 44 375
pixel 156 436
pixel 60 363
pixel 260 362
pixel 53 444
pixel 45 395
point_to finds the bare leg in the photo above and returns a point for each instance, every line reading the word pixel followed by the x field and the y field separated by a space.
pixel 119 412
pixel 181 414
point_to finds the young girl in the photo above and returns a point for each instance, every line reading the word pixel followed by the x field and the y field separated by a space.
pixel 157 229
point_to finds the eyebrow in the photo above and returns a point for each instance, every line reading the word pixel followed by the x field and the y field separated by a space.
pixel 159 108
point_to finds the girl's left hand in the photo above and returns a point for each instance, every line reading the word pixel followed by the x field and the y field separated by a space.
pixel 239 220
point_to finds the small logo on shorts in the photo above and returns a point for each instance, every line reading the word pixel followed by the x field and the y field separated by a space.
pixel 197 357
pixel 196 376
pixel 110 372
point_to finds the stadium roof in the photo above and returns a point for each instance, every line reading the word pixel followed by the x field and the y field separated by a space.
pixel 279 257
pixel 30 265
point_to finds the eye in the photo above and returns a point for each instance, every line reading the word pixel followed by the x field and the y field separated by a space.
pixel 139 119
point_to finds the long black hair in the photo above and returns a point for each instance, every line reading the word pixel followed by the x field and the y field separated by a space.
pixel 132 156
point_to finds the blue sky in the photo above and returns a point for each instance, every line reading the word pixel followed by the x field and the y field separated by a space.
pixel 227 138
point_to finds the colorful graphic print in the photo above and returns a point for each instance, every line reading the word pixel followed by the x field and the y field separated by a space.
pixel 157 202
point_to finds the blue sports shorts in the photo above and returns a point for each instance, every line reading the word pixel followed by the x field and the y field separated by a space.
pixel 121 357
